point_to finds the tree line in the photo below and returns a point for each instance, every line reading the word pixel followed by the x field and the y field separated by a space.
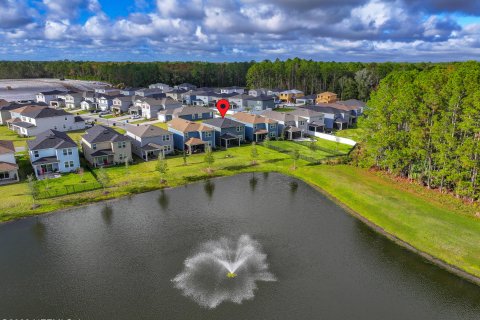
pixel 350 80
pixel 425 125
pixel 133 74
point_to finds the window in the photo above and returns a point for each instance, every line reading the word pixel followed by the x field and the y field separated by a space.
pixel 166 138
pixel 120 156
pixel 272 126
pixel 67 151
pixel 35 153
pixel 122 145
pixel 167 148
pixel 239 129
pixel 65 118
pixel 4 175
pixel 272 134
pixel 94 146
pixel 200 116
pixel 193 116
pixel 69 164
pixel 301 123
pixel 208 134
pixel 64 127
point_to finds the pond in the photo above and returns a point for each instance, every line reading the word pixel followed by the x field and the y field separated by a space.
pixel 273 246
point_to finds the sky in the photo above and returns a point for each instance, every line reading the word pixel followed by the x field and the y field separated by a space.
pixel 240 30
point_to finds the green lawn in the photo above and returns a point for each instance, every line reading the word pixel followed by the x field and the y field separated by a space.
pixel 356 134
pixel 162 125
pixel 139 121
pixel 67 183
pixel 284 109
pixel 303 149
pixel 7 134
pixel 435 223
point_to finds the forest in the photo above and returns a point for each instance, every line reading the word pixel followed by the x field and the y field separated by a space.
pixel 425 126
pixel 347 79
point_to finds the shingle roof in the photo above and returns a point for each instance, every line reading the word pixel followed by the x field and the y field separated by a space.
pixel 354 103
pixel 52 92
pixel 281 116
pixel 261 98
pixel 223 123
pixel 7 166
pixel 251 118
pixel 328 93
pixel 324 108
pixel 304 112
pixel 6 146
pixel 103 134
pixel 44 113
pixel 187 126
pixel 145 131
pixel 4 102
pixel 51 139
pixel 194 142
pixel 23 124
pixel 186 110
pixel 27 108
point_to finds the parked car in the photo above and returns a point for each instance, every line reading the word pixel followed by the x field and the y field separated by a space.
pixel 135 117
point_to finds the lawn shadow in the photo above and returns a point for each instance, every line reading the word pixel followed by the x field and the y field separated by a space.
pixel 237 167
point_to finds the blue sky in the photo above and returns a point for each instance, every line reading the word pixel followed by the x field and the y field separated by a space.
pixel 240 30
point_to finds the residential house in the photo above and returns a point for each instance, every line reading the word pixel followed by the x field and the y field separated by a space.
pixel 186 86
pixel 238 102
pixel 315 120
pixel 149 107
pixel 8 164
pixel 228 132
pixel 121 104
pixel 289 126
pixel 32 120
pixel 88 105
pixel 235 89
pixel 47 96
pixel 186 112
pixel 307 100
pixel 355 105
pixel 334 117
pixel 257 92
pixel 53 152
pixel 326 97
pixel 260 103
pixel 105 102
pixel 128 91
pixel 257 128
pixel 191 136
pixel 149 141
pixel 274 92
pixel 73 100
pixel 161 86
pixel 203 98
pixel 5 108
pixel 176 94
pixel 103 146
pixel 150 92
pixel 290 96
pixel 107 91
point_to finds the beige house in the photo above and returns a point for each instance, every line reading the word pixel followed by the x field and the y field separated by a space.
pixel 103 146
pixel 8 164
pixel 326 97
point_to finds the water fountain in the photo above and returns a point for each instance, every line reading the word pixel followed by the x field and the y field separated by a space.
pixel 224 270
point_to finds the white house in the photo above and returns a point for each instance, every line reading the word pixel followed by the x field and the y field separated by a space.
pixel 8 164
pixel 149 141
pixel 238 90
pixel 162 86
pixel 47 96
pixel 315 120
pixel 73 100
pixel 53 152
pixel 32 120
pixel 151 106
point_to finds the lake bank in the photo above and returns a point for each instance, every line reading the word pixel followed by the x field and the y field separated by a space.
pixel 426 224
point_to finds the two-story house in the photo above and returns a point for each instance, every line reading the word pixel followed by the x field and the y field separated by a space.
pixel 121 104
pixel 148 141
pixel 186 86
pixel 289 126
pixel 53 152
pixel 151 106
pixel 32 120
pixel 228 132
pixel 315 120
pixel 257 128
pixel 176 94
pixel 257 92
pixel 307 100
pixel 186 112
pixel 103 146
pixel 238 102
pixel 105 102
pixel 290 96
pixel 73 100
pixel 8 164
pixel 47 96
pixel 5 108
pixel 334 118
pixel 191 136
pixel 161 86
pixel 326 97
pixel 260 104
pixel 234 89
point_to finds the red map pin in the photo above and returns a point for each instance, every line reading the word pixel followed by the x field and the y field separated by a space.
pixel 222 106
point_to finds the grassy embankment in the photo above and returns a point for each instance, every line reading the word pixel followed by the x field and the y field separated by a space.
pixel 437 224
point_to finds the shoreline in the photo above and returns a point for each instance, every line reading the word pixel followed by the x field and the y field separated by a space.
pixel 376 228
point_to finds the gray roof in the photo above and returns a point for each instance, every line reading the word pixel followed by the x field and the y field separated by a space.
pixel 103 134
pixel 53 92
pixel 325 109
pixel 45 113
pixel 146 131
pixel 353 103
pixel 23 124
pixel 223 123
pixel 281 116
pixel 261 98
pixel 51 139
pixel 46 160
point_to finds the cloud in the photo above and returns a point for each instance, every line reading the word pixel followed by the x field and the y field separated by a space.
pixel 242 29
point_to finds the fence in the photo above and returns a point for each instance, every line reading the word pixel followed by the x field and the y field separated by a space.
pixel 66 189
pixel 317 147
pixel 330 137
pixel 301 156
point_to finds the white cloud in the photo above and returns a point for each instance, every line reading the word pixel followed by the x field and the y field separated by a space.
pixel 55 30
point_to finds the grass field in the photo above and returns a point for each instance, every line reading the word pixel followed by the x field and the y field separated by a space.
pixel 435 223
pixel 162 125
pixel 355 134
pixel 303 149
pixel 7 134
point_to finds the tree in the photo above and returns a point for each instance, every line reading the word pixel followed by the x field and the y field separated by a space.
pixel 312 145
pixel 33 188
pixel 295 157
pixel 254 153
pixel 266 141
pixel 162 168
pixel 209 158
pixel 184 157
pixel 103 177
